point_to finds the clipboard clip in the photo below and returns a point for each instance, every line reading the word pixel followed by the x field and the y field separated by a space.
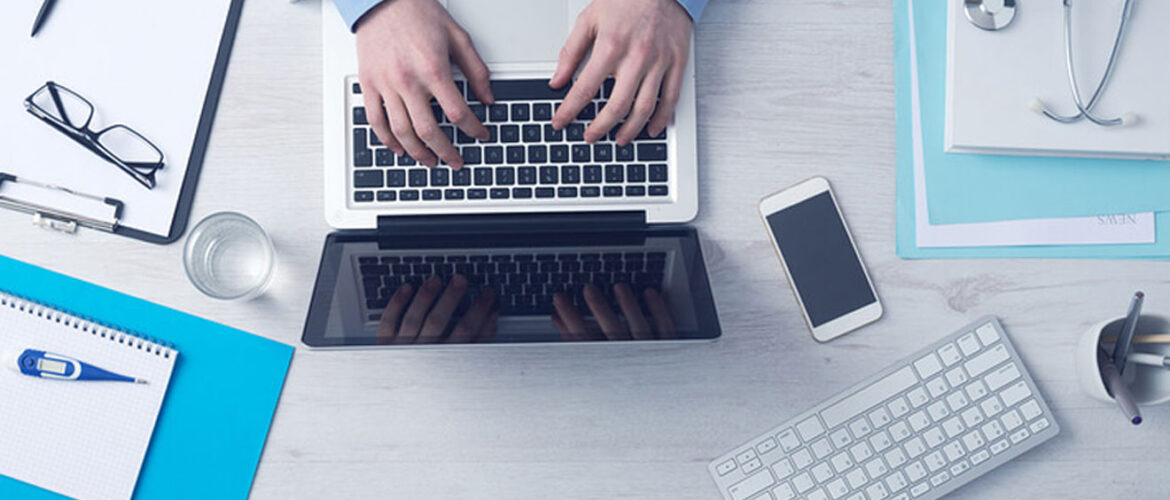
pixel 56 219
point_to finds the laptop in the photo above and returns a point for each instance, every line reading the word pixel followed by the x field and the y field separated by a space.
pixel 534 214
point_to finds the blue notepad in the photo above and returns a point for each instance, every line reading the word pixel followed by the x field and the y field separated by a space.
pixel 214 421
pixel 981 188
pixel 906 246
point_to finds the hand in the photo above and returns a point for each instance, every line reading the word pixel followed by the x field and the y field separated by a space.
pixel 572 324
pixel 404 51
pixel 424 318
pixel 645 45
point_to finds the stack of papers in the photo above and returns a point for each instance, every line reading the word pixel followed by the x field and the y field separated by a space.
pixel 954 205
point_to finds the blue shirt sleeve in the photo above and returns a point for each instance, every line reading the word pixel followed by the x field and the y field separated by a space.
pixel 694 8
pixel 353 10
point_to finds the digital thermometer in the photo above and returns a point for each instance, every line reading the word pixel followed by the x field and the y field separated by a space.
pixel 43 364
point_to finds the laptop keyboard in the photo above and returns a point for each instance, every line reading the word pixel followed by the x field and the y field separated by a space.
pixel 524 159
pixel 524 283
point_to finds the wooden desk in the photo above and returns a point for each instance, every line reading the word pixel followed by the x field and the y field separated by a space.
pixel 787 89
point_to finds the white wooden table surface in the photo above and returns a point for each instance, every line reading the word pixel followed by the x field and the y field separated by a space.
pixel 787 89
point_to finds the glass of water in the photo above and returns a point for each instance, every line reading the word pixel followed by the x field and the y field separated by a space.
pixel 229 257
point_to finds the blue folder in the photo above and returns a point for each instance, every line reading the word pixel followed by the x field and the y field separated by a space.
pixel 220 402
pixel 929 17
pixel 981 188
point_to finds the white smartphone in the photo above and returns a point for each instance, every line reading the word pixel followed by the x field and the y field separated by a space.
pixel 823 265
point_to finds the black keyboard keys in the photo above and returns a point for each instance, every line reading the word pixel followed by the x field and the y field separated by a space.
pixel 505 176
pixel 367 179
pixel 359 116
pixel 636 172
pixel 658 172
pixel 558 153
pixel 395 178
pixel 593 174
pixel 493 155
pixel 532 133
pixel 581 153
pixel 418 177
pixel 516 155
pixel 571 174
pixel 483 176
pixel 538 154
pixel 527 175
pixel 461 177
pixel 521 112
pixel 509 133
pixel 542 112
pixel 548 175
pixel 498 112
pixel 652 151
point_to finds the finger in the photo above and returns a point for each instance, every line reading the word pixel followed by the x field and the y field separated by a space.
pixel 573 52
pixel 570 318
pixel 388 326
pixel 585 88
pixel 489 329
pixel 671 88
pixel 644 105
pixel 419 107
pixel 412 322
pixel 457 111
pixel 663 319
pixel 618 105
pixel 639 327
pixel 440 316
pixel 376 115
pixel 611 325
pixel 467 58
pixel 473 319
pixel 404 130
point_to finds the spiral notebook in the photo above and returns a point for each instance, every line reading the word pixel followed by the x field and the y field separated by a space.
pixel 79 439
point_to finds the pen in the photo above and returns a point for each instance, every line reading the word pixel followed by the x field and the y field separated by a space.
pixel 43 364
pixel 1158 338
pixel 1117 388
pixel 1125 338
pixel 42 15
pixel 1148 359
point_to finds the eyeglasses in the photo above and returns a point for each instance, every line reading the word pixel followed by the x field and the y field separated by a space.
pixel 70 114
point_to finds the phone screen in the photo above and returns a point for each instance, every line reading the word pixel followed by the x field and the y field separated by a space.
pixel 822 263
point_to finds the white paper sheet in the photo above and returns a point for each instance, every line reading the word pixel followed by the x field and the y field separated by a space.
pixel 1105 229
pixel 146 64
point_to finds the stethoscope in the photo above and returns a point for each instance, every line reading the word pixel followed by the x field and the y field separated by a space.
pixel 993 20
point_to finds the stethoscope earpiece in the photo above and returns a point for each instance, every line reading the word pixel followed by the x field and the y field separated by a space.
pixel 987 19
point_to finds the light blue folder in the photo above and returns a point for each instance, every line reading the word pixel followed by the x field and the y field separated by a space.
pixel 218 408
pixel 980 188
pixel 928 19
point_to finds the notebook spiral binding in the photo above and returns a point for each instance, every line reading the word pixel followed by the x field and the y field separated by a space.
pixel 88 325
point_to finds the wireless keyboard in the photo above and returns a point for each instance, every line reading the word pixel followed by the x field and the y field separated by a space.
pixel 524 161
pixel 921 429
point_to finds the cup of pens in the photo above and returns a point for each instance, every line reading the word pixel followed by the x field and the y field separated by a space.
pixel 1125 361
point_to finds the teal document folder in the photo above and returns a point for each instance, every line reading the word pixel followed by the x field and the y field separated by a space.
pixel 929 16
pixel 981 188
pixel 218 408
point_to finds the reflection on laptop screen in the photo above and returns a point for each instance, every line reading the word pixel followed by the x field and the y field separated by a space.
pixel 640 285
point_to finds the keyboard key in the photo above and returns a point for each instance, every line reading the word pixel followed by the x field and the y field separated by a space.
pixel 453 194
pixel 928 366
pixel 363 196
pixel 1038 425
pixel 655 151
pixel 472 155
pixel 509 133
pixel 553 135
pixel 570 174
pixel 635 191
pixel 968 344
pixel 802 458
pixel 1002 376
pixel 493 155
pixel 408 195
pixel 602 153
pixel 483 176
pixel 505 176
pixel 659 191
pixel 590 192
pixel 527 175
pixel 531 133
pixel 614 173
pixel 593 174
pixel 537 154
pixel 440 177
pixel 367 179
pixel 987 360
pixel 432 194
pixel 359 116
pixel 461 177
pixel 658 172
pixel 821 448
pixel 753 484
pixel 587 113
pixel 526 90
pixel 542 112
pixel 522 193
pixel 383 157
pixel 549 175
pixel 357 88
pixel 636 172
pixel 500 193
pixel 477 194
pixel 1015 393
pixel 949 354
pixel 625 153
pixel 418 177
pixel 363 157
pixel 405 160
pixel 803 482
pixel 558 153
pixel 581 153
pixel 545 192
pixel 498 112
pixel 575 132
pixel 783 492
pixel 987 334
pixel 917 397
pixel 726 467
pixel 387 196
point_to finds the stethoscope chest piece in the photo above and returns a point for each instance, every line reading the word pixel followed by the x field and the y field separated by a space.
pixel 984 18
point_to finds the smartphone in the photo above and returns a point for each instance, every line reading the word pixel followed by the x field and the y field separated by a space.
pixel 823 265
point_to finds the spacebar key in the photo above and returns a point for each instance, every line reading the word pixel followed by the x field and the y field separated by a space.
pixel 526 90
pixel 752 485
pixel 868 397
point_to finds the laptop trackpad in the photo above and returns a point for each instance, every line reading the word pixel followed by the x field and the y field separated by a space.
pixel 515 31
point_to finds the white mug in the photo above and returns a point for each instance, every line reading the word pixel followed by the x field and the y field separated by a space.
pixel 1150 385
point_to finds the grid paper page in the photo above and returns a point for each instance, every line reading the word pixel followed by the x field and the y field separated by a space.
pixel 80 439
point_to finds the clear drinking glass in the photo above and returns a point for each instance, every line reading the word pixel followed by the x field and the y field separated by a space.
pixel 229 257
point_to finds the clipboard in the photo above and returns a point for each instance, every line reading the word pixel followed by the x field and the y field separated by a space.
pixel 62 218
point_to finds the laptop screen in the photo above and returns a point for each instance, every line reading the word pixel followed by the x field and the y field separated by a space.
pixel 644 285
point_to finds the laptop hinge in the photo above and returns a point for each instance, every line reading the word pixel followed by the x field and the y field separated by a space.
pixel 472 224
